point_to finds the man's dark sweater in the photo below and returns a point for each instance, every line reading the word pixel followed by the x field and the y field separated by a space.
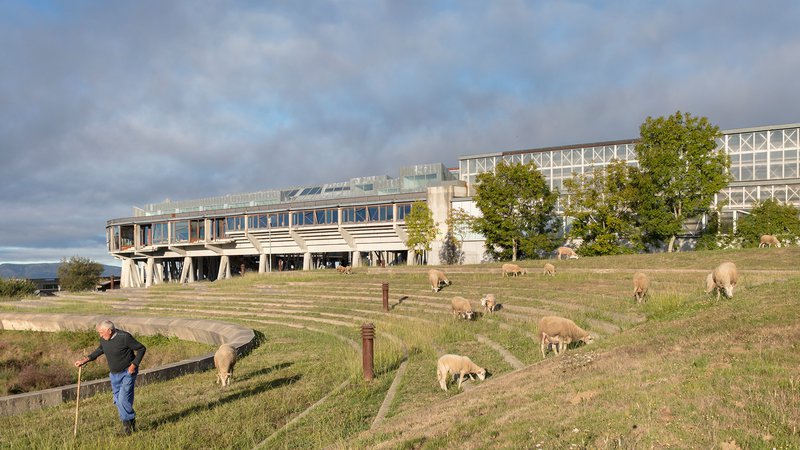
pixel 119 351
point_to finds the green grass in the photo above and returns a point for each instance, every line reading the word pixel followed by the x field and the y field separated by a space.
pixel 681 371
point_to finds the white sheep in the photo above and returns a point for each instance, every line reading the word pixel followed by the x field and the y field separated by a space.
pixel 768 240
pixel 566 252
pixel 489 302
pixel 224 360
pixel 566 331
pixel 455 364
pixel 710 286
pixel 725 277
pixel 641 284
pixel 549 269
pixel 462 308
pixel 437 279
pixel 513 270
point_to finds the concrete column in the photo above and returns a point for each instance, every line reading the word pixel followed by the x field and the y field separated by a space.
pixel 410 257
pixel 158 276
pixel 307 261
pixel 262 263
pixel 148 272
pixel 224 268
pixel 356 259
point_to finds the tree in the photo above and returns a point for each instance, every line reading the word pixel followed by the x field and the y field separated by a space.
pixel 458 224
pixel 451 249
pixel 517 207
pixel 680 170
pixel 421 230
pixel 79 274
pixel 16 288
pixel 600 205
pixel 769 217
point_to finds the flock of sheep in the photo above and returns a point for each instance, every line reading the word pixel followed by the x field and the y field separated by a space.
pixel 555 333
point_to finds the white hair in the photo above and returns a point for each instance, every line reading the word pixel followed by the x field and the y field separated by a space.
pixel 106 325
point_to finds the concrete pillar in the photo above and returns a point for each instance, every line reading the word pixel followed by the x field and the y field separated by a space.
pixel 148 273
pixel 262 263
pixel 307 261
pixel 224 268
pixel 410 258
pixel 158 276
pixel 356 259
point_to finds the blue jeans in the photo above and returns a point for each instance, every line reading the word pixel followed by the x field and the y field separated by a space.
pixel 122 384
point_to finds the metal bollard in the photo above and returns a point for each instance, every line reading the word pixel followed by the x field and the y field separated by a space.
pixel 385 287
pixel 367 336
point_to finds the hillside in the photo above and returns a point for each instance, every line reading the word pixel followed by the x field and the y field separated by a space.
pixel 681 371
pixel 43 270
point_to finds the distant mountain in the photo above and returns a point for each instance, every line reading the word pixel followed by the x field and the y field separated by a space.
pixel 44 270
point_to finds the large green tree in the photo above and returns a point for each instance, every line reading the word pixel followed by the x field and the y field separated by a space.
pixel 600 205
pixel 680 170
pixel 769 217
pixel 421 230
pixel 79 274
pixel 518 210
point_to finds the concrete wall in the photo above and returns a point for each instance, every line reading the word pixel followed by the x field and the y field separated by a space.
pixel 198 330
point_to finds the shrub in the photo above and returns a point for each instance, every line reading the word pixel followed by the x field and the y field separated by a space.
pixel 16 288
pixel 79 274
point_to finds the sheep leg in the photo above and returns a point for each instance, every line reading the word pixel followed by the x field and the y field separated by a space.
pixel 460 379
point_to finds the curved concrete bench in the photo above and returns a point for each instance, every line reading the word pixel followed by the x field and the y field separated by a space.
pixel 198 330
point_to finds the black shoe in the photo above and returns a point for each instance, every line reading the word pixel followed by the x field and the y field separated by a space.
pixel 126 428
pixel 133 425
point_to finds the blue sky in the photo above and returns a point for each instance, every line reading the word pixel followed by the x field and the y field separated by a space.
pixel 107 105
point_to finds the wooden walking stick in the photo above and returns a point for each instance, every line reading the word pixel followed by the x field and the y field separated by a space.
pixel 77 402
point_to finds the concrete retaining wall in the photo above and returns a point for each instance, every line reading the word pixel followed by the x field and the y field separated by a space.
pixel 198 330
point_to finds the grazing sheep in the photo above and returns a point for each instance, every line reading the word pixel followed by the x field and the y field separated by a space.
pixel 455 364
pixel 710 286
pixel 437 278
pixel 768 240
pixel 555 341
pixel 549 269
pixel 566 252
pixel 640 286
pixel 725 277
pixel 489 302
pixel 513 270
pixel 462 308
pixel 344 269
pixel 224 360
pixel 564 329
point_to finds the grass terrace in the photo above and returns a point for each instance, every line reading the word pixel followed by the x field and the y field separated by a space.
pixel 681 371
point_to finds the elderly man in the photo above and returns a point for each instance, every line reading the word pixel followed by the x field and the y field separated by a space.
pixel 123 354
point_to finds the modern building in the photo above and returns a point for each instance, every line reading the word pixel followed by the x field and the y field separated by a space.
pixel 362 221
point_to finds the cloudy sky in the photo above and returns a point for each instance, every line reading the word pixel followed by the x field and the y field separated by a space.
pixel 107 105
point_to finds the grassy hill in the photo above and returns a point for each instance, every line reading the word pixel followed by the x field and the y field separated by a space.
pixel 681 371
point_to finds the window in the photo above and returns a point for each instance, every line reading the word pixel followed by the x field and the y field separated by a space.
pixel 218 229
pixel 257 221
pixel 126 237
pixel 235 223
pixel 180 231
pixel 402 210
pixel 160 233
pixel 146 235
pixel 361 214
pixel 197 230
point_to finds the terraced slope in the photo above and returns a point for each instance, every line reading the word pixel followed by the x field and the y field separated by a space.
pixel 302 387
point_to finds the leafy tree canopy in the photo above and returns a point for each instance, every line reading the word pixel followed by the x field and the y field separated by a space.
pixel 421 229
pixel 79 274
pixel 600 205
pixel 518 210
pixel 680 170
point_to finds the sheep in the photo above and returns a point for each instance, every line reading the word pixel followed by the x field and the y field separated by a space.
pixel 513 269
pixel 640 286
pixel 564 329
pixel 725 277
pixel 566 252
pixel 768 240
pixel 710 286
pixel 455 364
pixel 462 308
pixel 549 269
pixel 489 302
pixel 343 269
pixel 224 360
pixel 557 343
pixel 437 278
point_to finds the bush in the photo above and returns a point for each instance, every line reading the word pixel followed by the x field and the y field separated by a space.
pixel 769 217
pixel 16 288
pixel 79 274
